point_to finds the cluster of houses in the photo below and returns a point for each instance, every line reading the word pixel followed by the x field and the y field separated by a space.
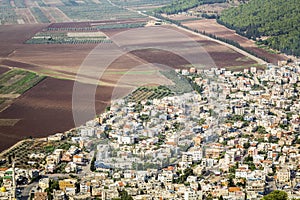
pixel 236 137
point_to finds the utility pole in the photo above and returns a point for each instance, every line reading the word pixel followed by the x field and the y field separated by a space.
pixel 13 191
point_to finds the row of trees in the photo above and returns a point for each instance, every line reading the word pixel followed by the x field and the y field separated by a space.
pixel 228 41
pixel 184 5
pixel 277 19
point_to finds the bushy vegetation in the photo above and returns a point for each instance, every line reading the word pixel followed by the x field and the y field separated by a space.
pixel 184 5
pixel 276 195
pixel 149 93
pixel 277 19
pixel 181 84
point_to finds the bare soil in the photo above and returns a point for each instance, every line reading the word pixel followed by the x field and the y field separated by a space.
pixel 212 27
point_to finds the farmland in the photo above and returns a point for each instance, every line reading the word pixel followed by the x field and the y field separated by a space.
pixel 149 93
pixel 18 81
pixel 14 83
pixel 68 38
pixel 142 4
pixel 21 152
pixel 210 26
pixel 46 108
pixel 28 12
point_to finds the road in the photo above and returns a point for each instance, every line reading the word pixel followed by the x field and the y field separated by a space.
pixel 25 190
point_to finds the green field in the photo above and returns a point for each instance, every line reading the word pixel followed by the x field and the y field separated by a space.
pixel 18 81
pixel 14 83
pixel 149 93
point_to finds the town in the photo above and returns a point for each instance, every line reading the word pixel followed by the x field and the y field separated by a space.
pixel 235 136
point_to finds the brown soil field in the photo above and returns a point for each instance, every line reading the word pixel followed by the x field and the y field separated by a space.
pixel 12 37
pixel 64 59
pixel 222 55
pixel 47 107
pixel 44 110
pixel 95 23
pixel 3 69
pixel 212 27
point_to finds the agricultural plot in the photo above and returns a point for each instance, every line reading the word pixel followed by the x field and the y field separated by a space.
pixel 149 93
pixel 210 26
pixel 18 81
pixel 39 15
pixel 7 13
pixel 68 38
pixel 21 153
pixel 97 12
pixel 39 11
pixel 20 3
pixel 14 83
pixel 181 84
pixel 142 3
pixel 120 26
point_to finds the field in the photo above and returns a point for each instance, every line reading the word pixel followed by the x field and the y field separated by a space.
pixel 44 110
pixel 12 84
pixel 51 11
pixel 149 93
pixel 212 27
pixel 21 152
pixel 141 3
pixel 47 107
pixel 47 37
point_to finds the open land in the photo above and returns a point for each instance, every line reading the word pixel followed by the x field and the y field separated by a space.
pixel 210 26
pixel 47 107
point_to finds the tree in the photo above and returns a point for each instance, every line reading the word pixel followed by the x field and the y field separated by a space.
pixel 276 195
pixel 230 182
pixel 246 145
pixel 124 195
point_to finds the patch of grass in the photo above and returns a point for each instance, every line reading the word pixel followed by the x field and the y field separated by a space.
pixel 18 81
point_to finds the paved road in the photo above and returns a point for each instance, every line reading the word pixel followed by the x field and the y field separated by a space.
pixel 25 190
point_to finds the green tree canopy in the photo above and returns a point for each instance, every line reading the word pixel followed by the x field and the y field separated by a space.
pixel 276 19
pixel 276 195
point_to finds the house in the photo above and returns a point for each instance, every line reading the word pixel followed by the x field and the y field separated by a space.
pixel 68 185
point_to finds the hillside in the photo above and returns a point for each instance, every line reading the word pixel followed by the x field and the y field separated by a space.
pixel 278 20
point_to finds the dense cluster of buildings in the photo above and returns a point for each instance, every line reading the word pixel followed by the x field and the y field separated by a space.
pixel 236 136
